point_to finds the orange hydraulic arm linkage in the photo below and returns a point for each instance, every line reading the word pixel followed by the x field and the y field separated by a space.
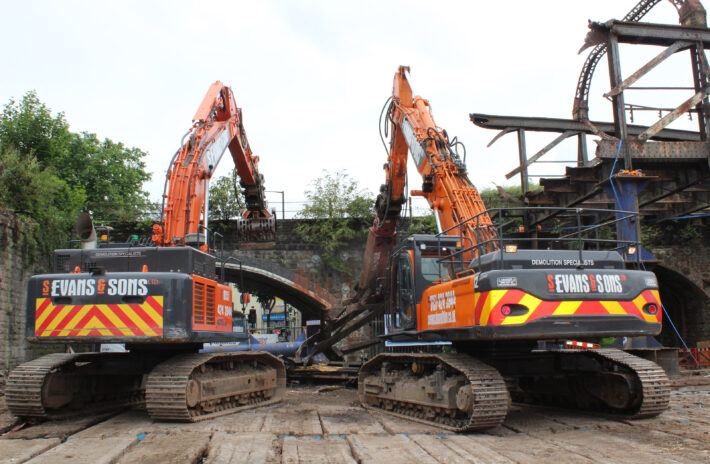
pixel 446 186
pixel 216 126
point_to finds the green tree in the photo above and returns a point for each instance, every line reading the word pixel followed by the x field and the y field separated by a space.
pixel 226 200
pixel 339 212
pixel 422 225
pixel 29 127
pixel 48 174
pixel 35 192
pixel 107 174
pixel 111 174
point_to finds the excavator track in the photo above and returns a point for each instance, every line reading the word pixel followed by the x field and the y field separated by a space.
pixel 59 385
pixel 655 387
pixel 200 386
pixel 605 380
pixel 451 391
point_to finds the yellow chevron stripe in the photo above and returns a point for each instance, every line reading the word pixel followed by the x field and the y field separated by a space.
pixel 656 295
pixel 93 323
pixel 152 313
pixel 137 320
pixel 58 318
pixel 78 317
pixel 115 320
pixel 529 302
pixel 566 308
pixel 613 307
pixel 494 297
pixel 45 314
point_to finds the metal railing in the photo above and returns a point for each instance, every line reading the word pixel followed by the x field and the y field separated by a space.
pixel 567 228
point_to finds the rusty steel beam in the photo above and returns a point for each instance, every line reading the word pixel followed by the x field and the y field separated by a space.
pixel 540 153
pixel 658 151
pixel 687 187
pixel 580 109
pixel 648 34
pixel 700 81
pixel 672 116
pixel 645 69
pixel 503 123
pixel 618 104
pixel 523 156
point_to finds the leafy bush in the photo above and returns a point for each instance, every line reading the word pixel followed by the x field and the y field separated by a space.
pixel 341 214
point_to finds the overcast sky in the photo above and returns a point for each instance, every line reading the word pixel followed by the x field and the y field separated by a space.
pixel 312 76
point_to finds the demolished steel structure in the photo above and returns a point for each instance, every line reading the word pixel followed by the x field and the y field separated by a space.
pixel 664 173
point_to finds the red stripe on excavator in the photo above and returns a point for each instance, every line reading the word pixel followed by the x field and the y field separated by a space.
pixel 590 308
pixel 546 308
pixel 479 307
pixel 82 323
pixel 650 297
pixel 55 311
pixel 42 307
pixel 125 319
pixel 155 305
pixel 630 308
pixel 106 321
pixel 58 329
pixel 147 319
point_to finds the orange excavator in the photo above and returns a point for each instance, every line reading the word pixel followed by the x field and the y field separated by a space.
pixel 163 302
pixel 512 314
pixel 218 124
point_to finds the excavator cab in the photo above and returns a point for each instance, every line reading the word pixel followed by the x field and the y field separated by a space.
pixel 402 294
pixel 419 262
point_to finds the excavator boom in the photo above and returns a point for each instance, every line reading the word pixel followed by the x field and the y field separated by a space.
pixel 217 125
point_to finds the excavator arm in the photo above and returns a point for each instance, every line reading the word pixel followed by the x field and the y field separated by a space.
pixel 217 125
pixel 446 186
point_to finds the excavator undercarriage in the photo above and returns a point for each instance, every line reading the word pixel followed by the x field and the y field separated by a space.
pixel 455 392
pixel 461 393
pixel 598 380
pixel 186 387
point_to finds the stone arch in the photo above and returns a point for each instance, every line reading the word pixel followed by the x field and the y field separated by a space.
pixel 685 303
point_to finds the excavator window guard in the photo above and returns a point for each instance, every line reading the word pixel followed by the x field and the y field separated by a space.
pixel 554 228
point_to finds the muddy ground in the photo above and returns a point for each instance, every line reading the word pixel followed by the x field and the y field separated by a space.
pixel 331 427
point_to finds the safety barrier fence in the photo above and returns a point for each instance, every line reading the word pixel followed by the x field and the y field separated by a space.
pixel 688 358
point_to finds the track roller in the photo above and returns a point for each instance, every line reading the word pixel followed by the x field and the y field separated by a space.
pixel 454 392
pixel 59 385
pixel 601 380
pixel 198 386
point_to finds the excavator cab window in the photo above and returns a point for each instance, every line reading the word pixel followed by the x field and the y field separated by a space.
pixel 403 303
pixel 434 268
pixel 438 266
